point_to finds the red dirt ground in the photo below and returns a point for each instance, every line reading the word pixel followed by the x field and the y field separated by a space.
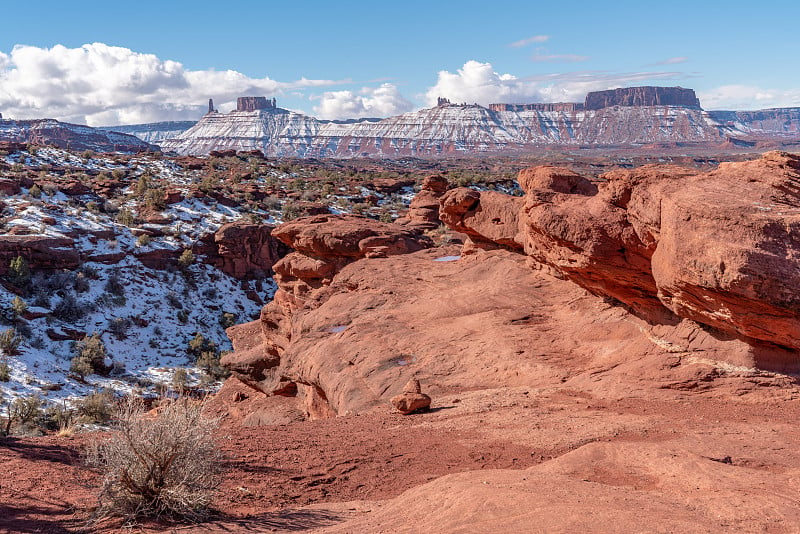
pixel 276 472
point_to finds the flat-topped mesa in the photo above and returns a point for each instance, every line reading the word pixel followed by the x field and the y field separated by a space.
pixel 254 103
pixel 642 96
pixel 568 107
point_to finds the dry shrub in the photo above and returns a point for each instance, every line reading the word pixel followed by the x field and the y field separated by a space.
pixel 162 464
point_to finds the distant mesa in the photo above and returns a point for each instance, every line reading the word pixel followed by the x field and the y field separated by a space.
pixel 626 96
pixel 642 96
pixel 254 103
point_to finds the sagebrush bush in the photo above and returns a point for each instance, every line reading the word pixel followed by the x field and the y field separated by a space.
pixel 97 407
pixel 69 309
pixel 163 464
pixel 89 357
pixel 9 342
pixel 19 273
pixel 186 259
pixel 5 371
pixel 22 411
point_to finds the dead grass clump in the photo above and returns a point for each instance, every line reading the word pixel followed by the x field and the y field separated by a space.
pixel 162 464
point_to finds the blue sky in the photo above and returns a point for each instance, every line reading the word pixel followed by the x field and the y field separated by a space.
pixel 161 60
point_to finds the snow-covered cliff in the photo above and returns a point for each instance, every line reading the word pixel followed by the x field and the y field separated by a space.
pixel 443 129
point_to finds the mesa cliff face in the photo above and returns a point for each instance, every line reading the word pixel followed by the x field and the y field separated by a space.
pixel 444 129
pixel 642 96
pixel 659 275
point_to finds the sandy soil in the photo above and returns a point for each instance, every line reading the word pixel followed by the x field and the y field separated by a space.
pixel 511 458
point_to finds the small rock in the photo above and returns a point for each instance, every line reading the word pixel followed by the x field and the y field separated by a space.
pixel 412 399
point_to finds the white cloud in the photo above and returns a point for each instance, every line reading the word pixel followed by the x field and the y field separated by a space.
pixel 747 97
pixel 558 58
pixel 382 101
pixel 99 84
pixel 479 82
pixel 671 61
pixel 530 40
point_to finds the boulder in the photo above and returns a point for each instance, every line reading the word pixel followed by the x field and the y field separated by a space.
pixel 412 399
pixel 487 217
pixel 348 236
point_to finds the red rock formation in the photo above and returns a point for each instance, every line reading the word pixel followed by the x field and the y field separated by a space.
pixel 323 245
pixel 642 96
pixel 9 187
pixel 708 262
pixel 41 252
pixel 412 399
pixel 160 258
pixel 423 212
pixel 487 217
pixel 245 250
pixel 719 248
pixel 254 103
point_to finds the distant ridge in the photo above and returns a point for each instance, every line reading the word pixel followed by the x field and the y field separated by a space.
pixel 70 136
pixel 153 132
pixel 619 118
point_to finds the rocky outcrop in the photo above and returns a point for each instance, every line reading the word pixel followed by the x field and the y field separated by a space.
pixel 728 250
pixel 323 245
pixel 487 217
pixel 254 103
pixel 665 279
pixel 719 248
pixel 423 211
pixel 642 96
pixel 41 252
pixel 245 250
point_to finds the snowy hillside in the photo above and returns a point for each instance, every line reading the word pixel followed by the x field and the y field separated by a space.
pixel 454 128
pixel 146 317
pixel 153 132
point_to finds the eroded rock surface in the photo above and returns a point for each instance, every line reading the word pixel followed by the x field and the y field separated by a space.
pixel 719 248
pixel 247 250
pixel 323 245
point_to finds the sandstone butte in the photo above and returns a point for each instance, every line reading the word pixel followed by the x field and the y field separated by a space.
pixel 651 287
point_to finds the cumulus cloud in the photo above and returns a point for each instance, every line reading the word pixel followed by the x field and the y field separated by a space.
pixel 382 101
pixel 98 84
pixel 746 97
pixel 529 40
pixel 480 83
